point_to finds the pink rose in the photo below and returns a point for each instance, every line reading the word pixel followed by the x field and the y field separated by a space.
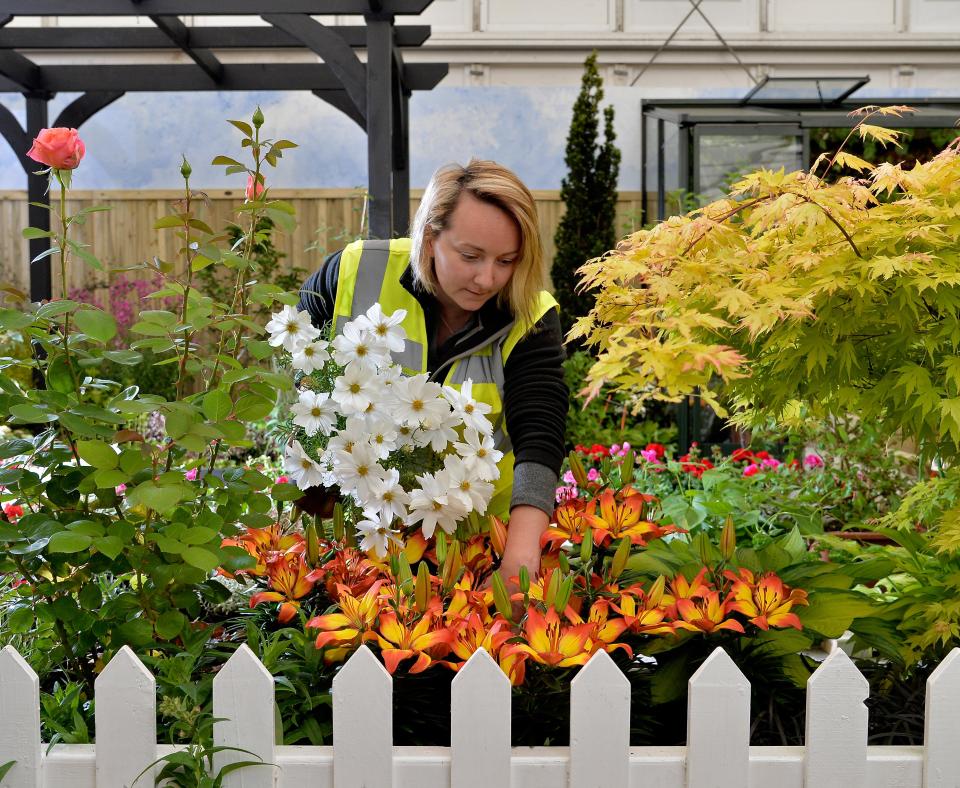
pixel 813 461
pixel 251 192
pixel 770 462
pixel 59 148
pixel 191 475
pixel 751 469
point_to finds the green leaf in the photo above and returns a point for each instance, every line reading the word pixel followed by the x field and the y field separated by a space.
pixel 97 325
pixel 831 612
pixel 90 597
pixel 198 535
pixel 167 222
pixel 68 542
pixel 138 632
pixel 226 160
pixel 160 498
pixel 14 319
pixel 217 405
pixel 200 558
pixel 128 358
pixel 170 624
pixel 35 232
pixel 285 492
pixel 20 619
pixel 99 455
pixel 92 260
pixel 110 546
pixel 246 128
pixel 56 308
pixel 252 407
pixel 30 413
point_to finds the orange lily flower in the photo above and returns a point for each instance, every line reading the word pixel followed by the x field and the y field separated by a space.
pixel 766 603
pixel 398 641
pixel 551 643
pixel 262 543
pixel 705 615
pixel 642 615
pixel 513 663
pixel 568 525
pixel 476 556
pixel 619 518
pixel 290 580
pixel 606 630
pixel 353 624
pixel 348 567
pixel 473 634
pixel 681 588
pixel 538 592
pixel 465 600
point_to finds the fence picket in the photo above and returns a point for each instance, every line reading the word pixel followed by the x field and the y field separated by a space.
pixel 941 732
pixel 125 719
pixel 836 728
pixel 480 725
pixel 243 701
pixel 363 723
pixel 19 720
pixel 718 724
pixel 600 725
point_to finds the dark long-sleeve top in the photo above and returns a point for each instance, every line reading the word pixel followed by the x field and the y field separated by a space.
pixel 535 396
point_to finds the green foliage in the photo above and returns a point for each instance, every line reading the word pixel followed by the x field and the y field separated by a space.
pixel 609 419
pixel 589 192
pixel 794 291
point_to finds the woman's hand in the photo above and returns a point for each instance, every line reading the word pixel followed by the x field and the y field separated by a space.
pixel 527 524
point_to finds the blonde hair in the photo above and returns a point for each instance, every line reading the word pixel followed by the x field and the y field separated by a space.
pixel 495 184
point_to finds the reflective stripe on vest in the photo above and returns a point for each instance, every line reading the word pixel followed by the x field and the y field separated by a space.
pixel 370 271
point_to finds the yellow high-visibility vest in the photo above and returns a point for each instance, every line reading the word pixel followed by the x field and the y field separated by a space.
pixel 370 271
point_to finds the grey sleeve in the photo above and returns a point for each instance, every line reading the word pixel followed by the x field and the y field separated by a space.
pixel 534 485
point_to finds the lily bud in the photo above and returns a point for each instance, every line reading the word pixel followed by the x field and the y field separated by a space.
pixel 338 530
pixel 655 594
pixel 626 468
pixel 576 468
pixel 498 534
pixel 451 567
pixel 185 169
pixel 586 546
pixel 620 558
pixel 313 544
pixel 404 574
pixel 564 563
pixel 422 593
pixel 552 588
pixel 524 580
pixel 728 539
pixel 563 595
pixel 257 118
pixel 501 599
pixel 441 548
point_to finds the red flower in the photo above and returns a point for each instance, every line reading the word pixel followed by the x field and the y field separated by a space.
pixel 742 455
pixel 13 511
pixel 695 466
pixel 659 448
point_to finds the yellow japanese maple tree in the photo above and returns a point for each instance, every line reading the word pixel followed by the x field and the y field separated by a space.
pixel 841 296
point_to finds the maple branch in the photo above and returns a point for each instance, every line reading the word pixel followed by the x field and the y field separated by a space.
pixel 831 217
pixel 722 218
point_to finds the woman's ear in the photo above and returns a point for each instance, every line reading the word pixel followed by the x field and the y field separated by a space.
pixel 428 245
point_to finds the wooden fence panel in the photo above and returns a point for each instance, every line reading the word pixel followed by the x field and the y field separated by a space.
pixel 124 236
pixel 243 704
pixel 600 725
pixel 363 723
pixel 718 724
pixel 125 722
pixel 836 726
pixel 19 720
pixel 480 724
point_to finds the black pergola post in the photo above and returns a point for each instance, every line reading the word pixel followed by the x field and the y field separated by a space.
pixel 374 94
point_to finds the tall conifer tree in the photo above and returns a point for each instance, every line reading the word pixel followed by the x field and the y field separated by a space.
pixel 589 191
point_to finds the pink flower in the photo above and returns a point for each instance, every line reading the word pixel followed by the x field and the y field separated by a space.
pixel 615 449
pixel 191 475
pixel 568 478
pixel 813 461
pixel 282 480
pixel 120 489
pixel 650 455
pixel 592 475
pixel 567 493
pixel 751 469
pixel 59 148
pixel 770 462
pixel 252 192
pixel 625 448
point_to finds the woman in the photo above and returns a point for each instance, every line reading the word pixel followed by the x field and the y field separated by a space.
pixel 471 278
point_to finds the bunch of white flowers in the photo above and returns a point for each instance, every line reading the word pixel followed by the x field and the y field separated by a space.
pixel 373 419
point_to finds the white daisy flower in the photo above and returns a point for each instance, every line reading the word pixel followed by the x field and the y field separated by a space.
pixel 291 329
pixel 433 506
pixel 311 356
pixel 479 454
pixel 357 470
pixel 381 432
pixel 387 494
pixel 375 532
pixel 342 442
pixel 354 345
pixel 418 398
pixel 315 411
pixel 386 329
pixel 472 492
pixel 355 389
pixel 439 432
pixel 471 412
pixel 301 468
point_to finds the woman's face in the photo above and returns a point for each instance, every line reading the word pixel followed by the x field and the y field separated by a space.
pixel 475 255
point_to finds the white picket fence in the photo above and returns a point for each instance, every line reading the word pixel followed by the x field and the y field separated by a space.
pixel 718 753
